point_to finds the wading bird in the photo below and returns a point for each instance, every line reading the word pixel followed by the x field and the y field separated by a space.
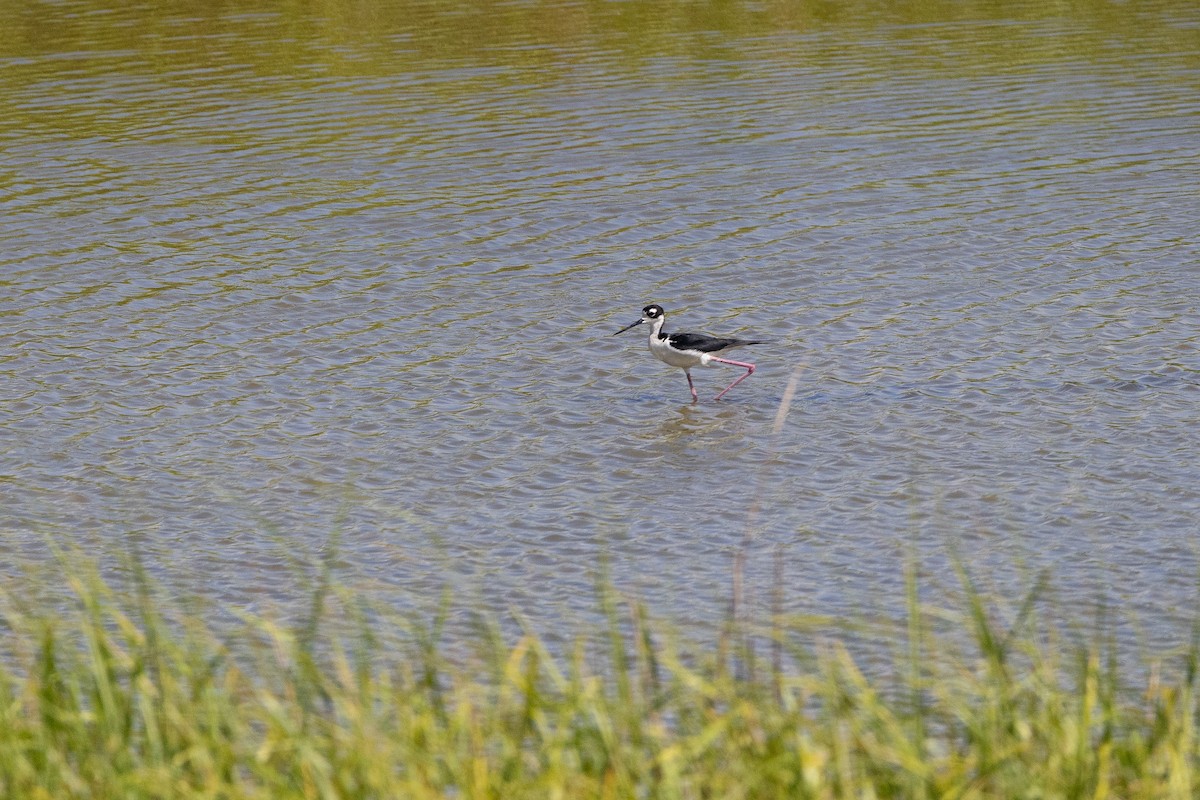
pixel 687 350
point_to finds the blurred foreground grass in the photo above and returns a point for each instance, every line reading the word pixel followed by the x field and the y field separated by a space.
pixel 116 696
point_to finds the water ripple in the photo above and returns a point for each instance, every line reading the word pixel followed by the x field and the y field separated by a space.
pixel 245 307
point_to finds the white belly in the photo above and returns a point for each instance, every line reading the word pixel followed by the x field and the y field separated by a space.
pixel 676 359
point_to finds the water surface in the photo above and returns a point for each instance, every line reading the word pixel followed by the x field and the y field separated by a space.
pixel 303 276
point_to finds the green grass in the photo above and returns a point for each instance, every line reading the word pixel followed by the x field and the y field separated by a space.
pixel 121 695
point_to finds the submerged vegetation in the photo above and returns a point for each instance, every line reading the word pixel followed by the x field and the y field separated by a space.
pixel 118 696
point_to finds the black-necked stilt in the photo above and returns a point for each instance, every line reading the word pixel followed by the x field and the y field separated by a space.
pixel 687 350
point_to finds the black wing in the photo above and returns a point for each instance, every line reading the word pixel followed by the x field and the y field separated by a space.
pixel 703 343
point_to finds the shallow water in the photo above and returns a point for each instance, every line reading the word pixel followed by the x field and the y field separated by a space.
pixel 280 281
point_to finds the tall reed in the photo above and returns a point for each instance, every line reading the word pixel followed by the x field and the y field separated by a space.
pixel 122 695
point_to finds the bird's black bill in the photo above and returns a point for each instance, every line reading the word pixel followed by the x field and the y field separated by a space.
pixel 627 327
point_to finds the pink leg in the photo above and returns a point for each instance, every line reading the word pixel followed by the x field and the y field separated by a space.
pixel 695 397
pixel 749 372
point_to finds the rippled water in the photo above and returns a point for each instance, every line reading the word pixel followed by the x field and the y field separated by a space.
pixel 352 272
